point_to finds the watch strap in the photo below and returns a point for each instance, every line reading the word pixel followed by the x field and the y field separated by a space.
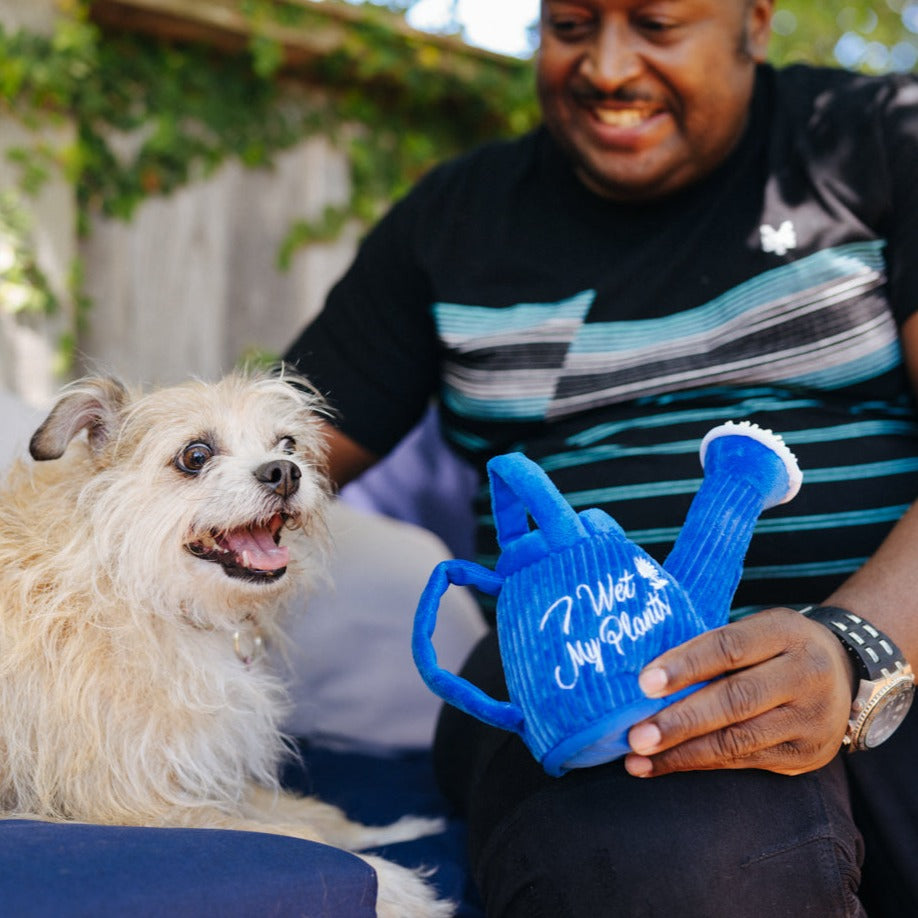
pixel 874 653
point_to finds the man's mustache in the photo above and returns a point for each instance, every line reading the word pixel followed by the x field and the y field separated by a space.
pixel 623 96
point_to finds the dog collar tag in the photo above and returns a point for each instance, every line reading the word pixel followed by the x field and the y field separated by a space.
pixel 248 644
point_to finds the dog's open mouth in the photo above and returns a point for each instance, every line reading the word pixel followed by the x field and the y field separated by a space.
pixel 251 552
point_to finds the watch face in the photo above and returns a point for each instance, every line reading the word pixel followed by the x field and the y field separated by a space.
pixel 887 714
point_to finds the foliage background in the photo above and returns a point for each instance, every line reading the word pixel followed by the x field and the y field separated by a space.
pixel 870 35
pixel 195 107
pixel 397 103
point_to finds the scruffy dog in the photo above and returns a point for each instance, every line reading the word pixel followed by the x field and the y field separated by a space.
pixel 141 564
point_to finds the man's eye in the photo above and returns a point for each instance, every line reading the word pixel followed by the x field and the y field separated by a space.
pixel 193 458
pixel 656 26
pixel 568 28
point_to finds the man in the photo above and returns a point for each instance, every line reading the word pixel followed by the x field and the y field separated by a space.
pixel 691 237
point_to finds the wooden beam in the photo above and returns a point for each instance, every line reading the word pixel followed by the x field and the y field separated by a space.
pixel 221 23
pixel 217 22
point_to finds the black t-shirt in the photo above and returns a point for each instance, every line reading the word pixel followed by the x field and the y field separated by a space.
pixel 605 339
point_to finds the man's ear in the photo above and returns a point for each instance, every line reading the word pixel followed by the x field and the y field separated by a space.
pixel 93 404
pixel 758 28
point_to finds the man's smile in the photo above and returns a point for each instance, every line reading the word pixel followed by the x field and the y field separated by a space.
pixel 623 111
pixel 624 117
pixel 621 125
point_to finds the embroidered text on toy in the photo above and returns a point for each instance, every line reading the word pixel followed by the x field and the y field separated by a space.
pixel 613 627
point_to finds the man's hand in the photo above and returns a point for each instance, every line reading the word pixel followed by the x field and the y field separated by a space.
pixel 779 700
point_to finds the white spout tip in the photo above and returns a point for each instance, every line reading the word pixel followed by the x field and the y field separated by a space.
pixel 767 438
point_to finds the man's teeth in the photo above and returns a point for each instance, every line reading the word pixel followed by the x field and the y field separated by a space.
pixel 621 117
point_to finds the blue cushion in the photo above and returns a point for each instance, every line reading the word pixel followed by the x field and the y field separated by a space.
pixel 50 869
pixel 64 870
pixel 379 788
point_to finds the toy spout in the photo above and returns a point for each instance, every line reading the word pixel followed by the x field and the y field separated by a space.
pixel 746 470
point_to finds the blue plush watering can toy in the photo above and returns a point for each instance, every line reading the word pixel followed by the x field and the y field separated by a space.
pixel 581 609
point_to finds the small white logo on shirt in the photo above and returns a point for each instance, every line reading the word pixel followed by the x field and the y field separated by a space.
pixel 779 241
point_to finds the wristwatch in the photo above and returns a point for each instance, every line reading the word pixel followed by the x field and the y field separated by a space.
pixel 887 683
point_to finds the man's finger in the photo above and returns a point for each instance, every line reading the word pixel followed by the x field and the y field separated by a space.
pixel 772 741
pixel 733 700
pixel 733 647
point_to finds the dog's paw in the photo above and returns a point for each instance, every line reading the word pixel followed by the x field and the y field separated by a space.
pixel 407 828
pixel 404 893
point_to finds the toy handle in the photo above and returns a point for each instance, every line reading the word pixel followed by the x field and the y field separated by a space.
pixel 519 485
pixel 457 691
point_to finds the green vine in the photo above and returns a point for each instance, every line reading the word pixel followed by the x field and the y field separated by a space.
pixel 151 115
pixel 182 109
pixel 325 228
pixel 23 285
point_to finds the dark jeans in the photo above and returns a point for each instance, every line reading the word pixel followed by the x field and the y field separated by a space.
pixel 598 842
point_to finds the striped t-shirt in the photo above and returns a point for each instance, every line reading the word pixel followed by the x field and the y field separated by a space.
pixel 605 339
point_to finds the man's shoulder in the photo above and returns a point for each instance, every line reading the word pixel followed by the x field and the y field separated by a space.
pixel 486 168
pixel 813 91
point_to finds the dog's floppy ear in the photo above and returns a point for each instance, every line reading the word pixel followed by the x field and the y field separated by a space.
pixel 92 404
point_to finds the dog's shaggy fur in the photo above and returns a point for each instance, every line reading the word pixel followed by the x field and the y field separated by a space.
pixel 141 564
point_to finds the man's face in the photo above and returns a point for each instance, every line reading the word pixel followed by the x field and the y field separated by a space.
pixel 648 96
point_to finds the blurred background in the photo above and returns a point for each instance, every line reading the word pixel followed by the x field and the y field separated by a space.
pixel 182 180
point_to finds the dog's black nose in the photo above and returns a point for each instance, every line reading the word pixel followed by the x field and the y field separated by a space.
pixel 282 476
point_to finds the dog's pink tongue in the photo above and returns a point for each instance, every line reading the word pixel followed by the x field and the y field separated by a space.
pixel 256 549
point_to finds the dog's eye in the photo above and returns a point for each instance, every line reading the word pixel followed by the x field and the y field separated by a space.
pixel 287 445
pixel 193 458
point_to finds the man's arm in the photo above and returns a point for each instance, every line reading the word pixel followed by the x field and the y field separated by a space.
pixel 785 694
pixel 885 589
pixel 346 458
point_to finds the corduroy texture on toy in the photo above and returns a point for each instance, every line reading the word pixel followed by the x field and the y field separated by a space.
pixel 581 609
pixel 746 470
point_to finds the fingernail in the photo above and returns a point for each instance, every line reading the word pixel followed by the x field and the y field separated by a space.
pixel 638 766
pixel 645 738
pixel 653 682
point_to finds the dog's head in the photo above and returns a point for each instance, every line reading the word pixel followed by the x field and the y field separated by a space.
pixel 187 491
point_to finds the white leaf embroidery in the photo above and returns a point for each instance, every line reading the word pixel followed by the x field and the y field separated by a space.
pixel 779 241
pixel 649 571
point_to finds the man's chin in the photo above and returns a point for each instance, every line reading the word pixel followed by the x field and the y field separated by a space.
pixel 628 185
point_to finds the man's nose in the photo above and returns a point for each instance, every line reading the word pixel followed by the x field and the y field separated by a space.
pixel 612 59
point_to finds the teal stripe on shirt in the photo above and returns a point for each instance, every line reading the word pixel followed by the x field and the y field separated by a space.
pixel 769 288
pixel 855 371
pixel 459 320
pixel 810 569
pixel 736 411
pixel 849 473
pixel 854 431
pixel 809 523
